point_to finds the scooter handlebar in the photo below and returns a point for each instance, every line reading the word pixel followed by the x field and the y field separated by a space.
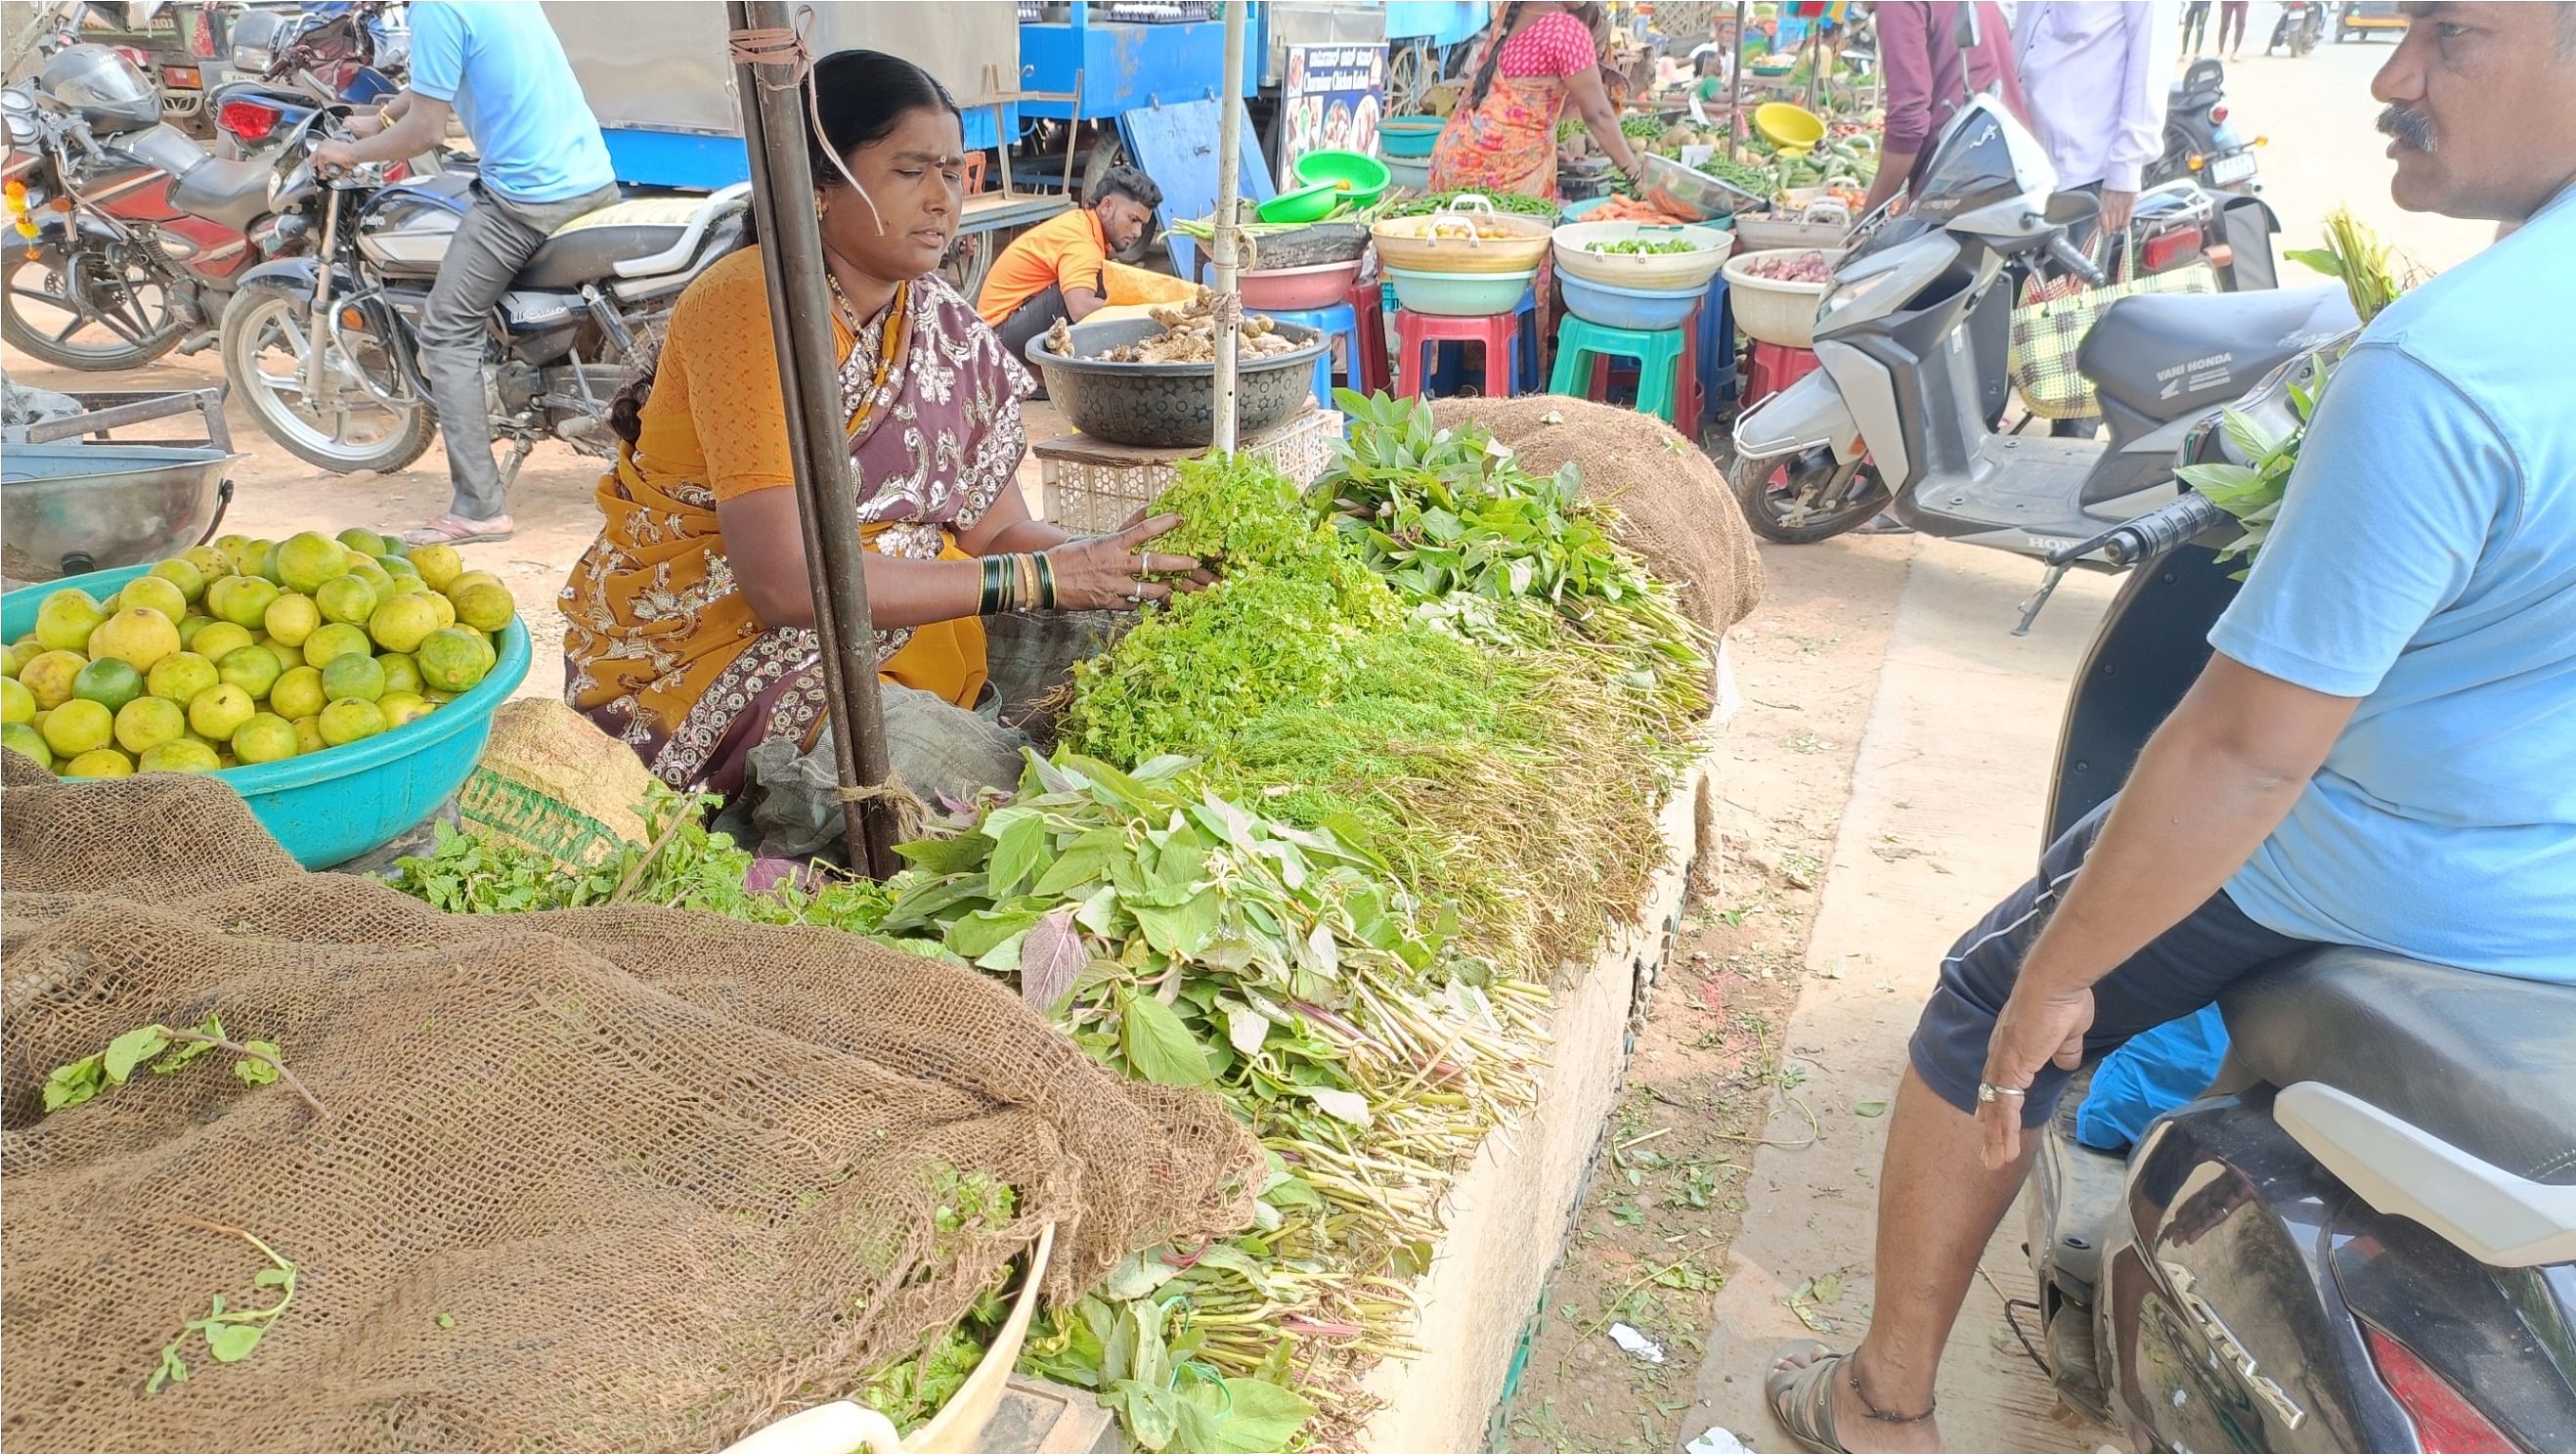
pixel 2074 261
pixel 2149 535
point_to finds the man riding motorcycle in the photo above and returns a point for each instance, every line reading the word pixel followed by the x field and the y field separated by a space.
pixel 543 163
pixel 2379 754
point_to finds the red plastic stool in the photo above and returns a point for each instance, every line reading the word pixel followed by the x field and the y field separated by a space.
pixel 1370 372
pixel 1417 332
pixel 1775 366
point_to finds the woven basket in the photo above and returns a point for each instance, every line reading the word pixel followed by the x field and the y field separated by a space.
pixel 1092 489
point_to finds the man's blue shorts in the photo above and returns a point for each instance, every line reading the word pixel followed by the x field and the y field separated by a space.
pixel 2178 972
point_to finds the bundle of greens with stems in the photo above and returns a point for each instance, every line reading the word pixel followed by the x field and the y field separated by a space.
pixel 1185 940
pixel 2252 492
pixel 1422 202
pixel 1504 753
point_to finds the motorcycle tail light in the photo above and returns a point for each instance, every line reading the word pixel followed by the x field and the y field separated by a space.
pixel 2162 250
pixel 182 76
pixel 248 120
pixel 2445 1423
pixel 2217 114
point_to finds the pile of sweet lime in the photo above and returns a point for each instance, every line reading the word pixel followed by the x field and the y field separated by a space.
pixel 249 651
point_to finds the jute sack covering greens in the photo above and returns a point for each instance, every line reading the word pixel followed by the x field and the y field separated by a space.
pixel 1672 505
pixel 620 1178
pixel 551 780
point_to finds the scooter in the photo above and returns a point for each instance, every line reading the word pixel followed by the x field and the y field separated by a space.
pixel 1901 415
pixel 2362 1238
pixel 2301 26
pixel 2201 143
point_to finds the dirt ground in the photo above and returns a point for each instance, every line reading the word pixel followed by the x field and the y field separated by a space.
pixel 1715 1059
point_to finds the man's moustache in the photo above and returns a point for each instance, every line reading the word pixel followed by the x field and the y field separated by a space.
pixel 2412 129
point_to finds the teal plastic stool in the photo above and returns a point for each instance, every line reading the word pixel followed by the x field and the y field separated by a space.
pixel 1582 343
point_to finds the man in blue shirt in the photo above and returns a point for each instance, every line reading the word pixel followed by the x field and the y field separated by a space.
pixel 500 67
pixel 2382 752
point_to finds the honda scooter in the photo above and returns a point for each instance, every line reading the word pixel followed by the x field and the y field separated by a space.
pixel 2362 1239
pixel 1901 415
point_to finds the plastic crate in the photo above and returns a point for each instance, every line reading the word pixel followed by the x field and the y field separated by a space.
pixel 1090 488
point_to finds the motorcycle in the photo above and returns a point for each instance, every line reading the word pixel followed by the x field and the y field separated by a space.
pixel 322 346
pixel 2362 1238
pixel 2201 144
pixel 2301 26
pixel 293 65
pixel 134 243
pixel 1902 413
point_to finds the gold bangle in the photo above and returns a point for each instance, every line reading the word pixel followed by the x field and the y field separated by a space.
pixel 1028 565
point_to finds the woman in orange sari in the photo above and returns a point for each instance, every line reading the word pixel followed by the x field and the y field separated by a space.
pixel 1502 137
pixel 689 622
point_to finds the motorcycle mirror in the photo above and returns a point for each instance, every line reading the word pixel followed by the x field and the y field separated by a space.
pixel 2065 209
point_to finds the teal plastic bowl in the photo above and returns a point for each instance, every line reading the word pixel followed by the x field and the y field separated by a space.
pixel 1460 295
pixel 1366 175
pixel 328 807
pixel 1409 137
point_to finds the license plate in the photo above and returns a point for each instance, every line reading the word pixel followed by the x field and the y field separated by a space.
pixel 2232 168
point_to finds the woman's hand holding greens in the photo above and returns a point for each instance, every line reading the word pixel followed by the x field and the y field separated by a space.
pixel 1114 573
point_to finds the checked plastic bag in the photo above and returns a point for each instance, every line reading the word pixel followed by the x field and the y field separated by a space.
pixel 2049 324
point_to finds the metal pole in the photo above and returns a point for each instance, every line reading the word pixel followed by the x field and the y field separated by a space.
pixel 1229 186
pixel 800 319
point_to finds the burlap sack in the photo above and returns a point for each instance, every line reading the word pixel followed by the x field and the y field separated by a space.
pixel 623 1179
pixel 1675 508
pixel 550 780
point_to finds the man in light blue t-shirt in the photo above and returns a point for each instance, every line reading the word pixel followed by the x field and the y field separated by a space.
pixel 2382 751
pixel 543 163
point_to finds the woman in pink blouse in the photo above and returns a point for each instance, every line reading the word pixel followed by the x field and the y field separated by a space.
pixel 1502 138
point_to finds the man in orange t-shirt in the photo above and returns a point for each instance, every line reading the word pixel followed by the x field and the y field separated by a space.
pixel 1055 269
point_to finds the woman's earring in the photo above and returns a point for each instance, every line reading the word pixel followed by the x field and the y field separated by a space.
pixel 821 205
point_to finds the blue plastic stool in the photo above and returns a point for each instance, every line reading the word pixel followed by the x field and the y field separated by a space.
pixel 1443 379
pixel 1339 320
pixel 1581 343
pixel 1716 345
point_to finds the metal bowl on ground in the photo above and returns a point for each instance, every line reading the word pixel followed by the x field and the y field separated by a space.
pixel 330 806
pixel 73 508
pixel 1171 405
pixel 1696 195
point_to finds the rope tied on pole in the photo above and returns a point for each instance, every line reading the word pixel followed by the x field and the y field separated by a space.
pixel 787 46
pixel 912 816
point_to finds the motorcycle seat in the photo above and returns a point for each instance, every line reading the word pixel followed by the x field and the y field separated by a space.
pixel 590 247
pixel 2166 355
pixel 234 193
pixel 2484 1062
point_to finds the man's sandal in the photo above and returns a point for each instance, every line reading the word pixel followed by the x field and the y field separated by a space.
pixel 1802 1399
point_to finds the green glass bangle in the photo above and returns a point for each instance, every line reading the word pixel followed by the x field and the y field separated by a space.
pixel 1046 582
pixel 990 602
